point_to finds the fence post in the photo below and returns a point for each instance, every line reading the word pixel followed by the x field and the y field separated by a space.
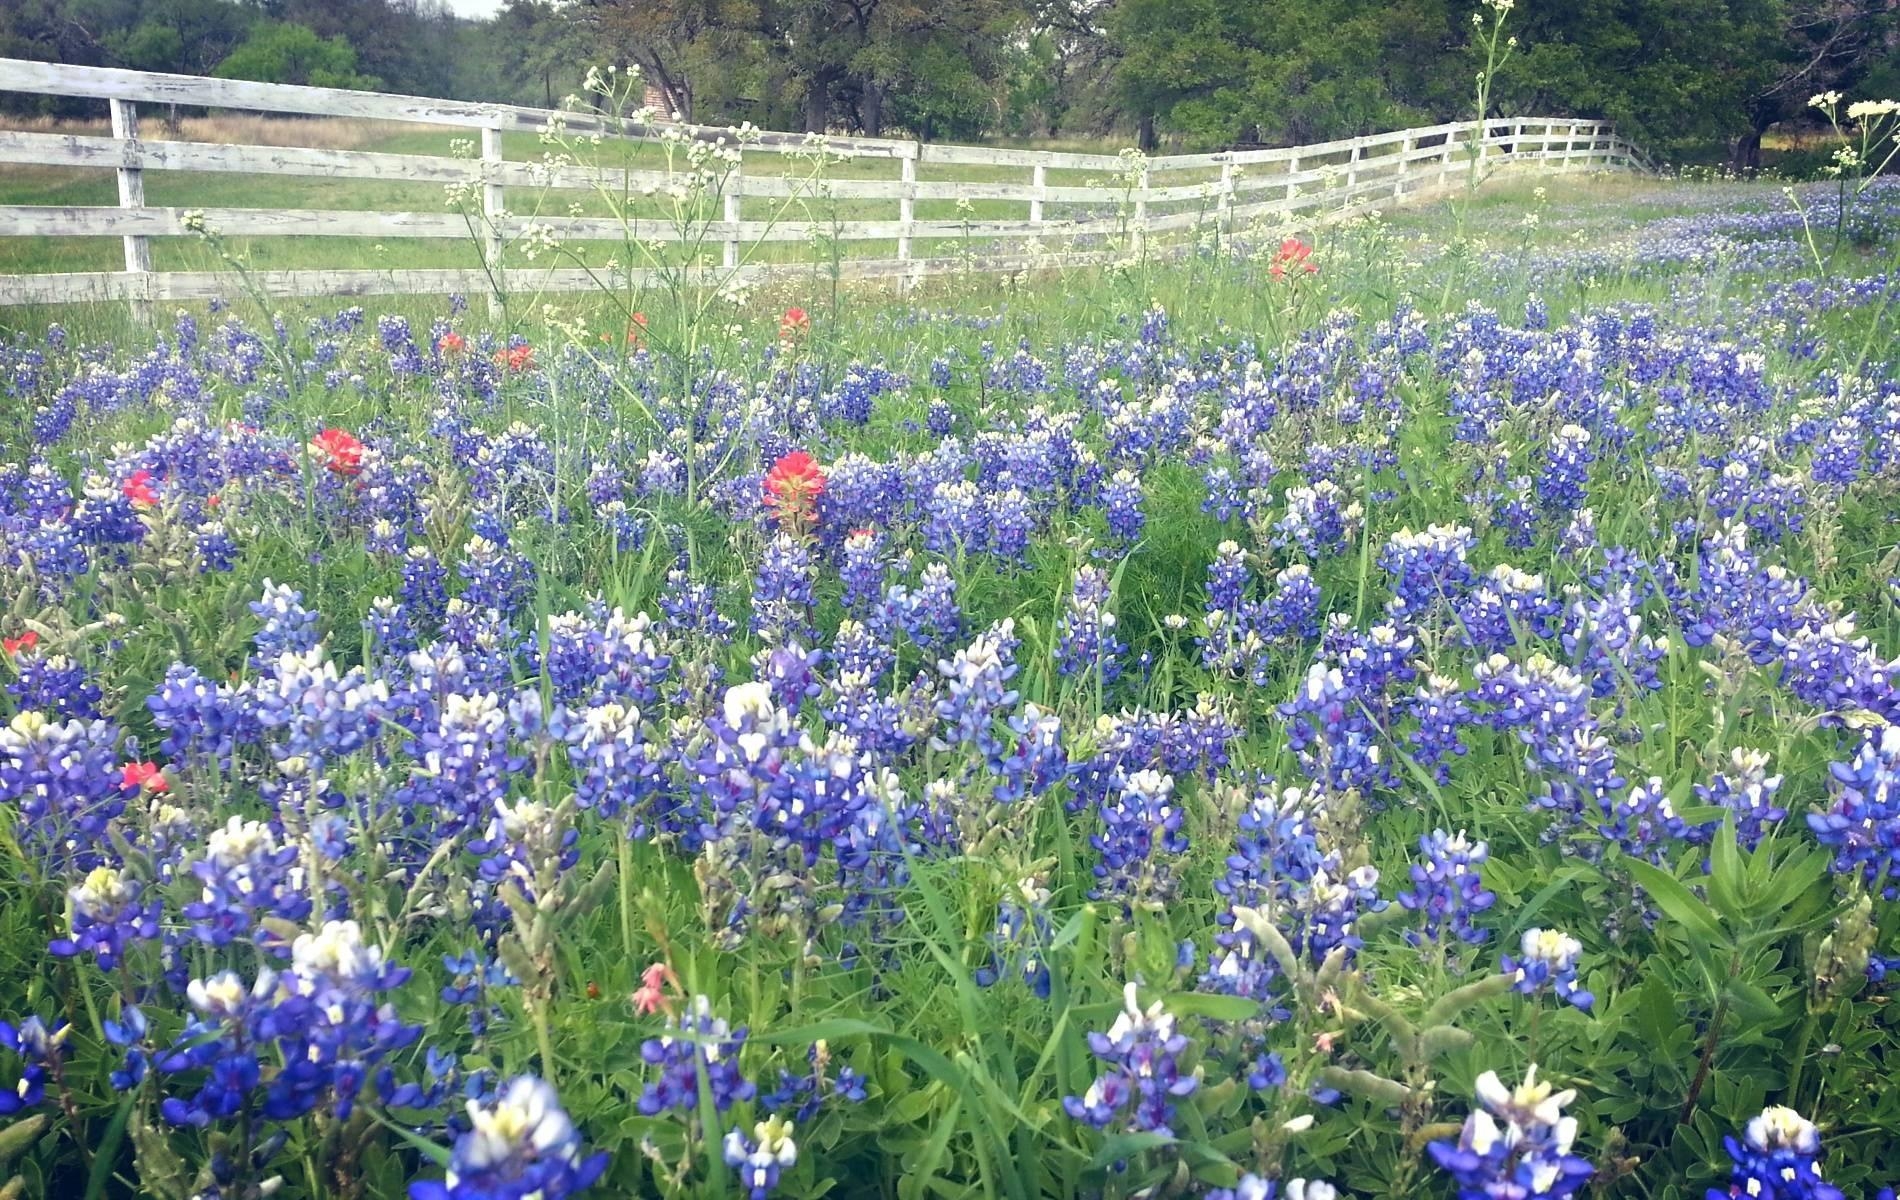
pixel 1352 171
pixel 1226 195
pixel 493 213
pixel 1405 164
pixel 138 248
pixel 1038 179
pixel 1141 212
pixel 907 207
pixel 1292 180
pixel 735 191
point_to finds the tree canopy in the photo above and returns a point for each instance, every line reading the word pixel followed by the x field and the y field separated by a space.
pixel 1672 73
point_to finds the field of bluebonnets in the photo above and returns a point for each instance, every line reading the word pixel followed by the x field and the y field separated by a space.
pixel 1396 710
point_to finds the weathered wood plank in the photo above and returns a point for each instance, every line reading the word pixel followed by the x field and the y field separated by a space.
pixel 111 83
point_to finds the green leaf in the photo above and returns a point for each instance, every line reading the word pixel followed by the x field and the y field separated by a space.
pixel 1677 902
pixel 105 1154
pixel 1726 883
pixel 439 1155
pixel 1126 1145
pixel 1560 882
pixel 1214 1008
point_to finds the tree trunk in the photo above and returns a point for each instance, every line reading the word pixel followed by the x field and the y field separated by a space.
pixel 1145 134
pixel 1746 156
pixel 871 109
pixel 817 103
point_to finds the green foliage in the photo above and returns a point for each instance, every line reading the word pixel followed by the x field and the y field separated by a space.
pixel 283 53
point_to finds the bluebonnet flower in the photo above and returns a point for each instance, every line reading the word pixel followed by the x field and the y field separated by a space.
pixel 1644 823
pixel 1603 638
pixel 1564 481
pixel 1862 826
pixel 1747 790
pixel 1086 641
pixel 316 714
pixel 1292 610
pixel 40 1051
pixel 389 631
pixel 329 1023
pixel 1507 608
pixel 1139 819
pixel 1429 570
pixel 1447 888
pixel 245 874
pixel 1318 520
pixel 1121 503
pixel 1547 960
pixel 1038 761
pixel 498 577
pixel 782 593
pixel 1016 944
pixel 929 616
pixel 863 570
pixel 54 685
pixel 1252 1187
pixel 617 766
pixel 288 627
pixel 804 1095
pixel 217 550
pixel 473 980
pixel 1777 1158
pixel 1325 913
pixel 1517 1145
pixel 976 693
pixel 956 519
pixel 1143 1079
pixel 1329 729
pixel 108 910
pixel 64 783
pixel 1442 715
pixel 761 1158
pixel 693 606
pixel 424 585
pixel 697 1044
pixel 519 1145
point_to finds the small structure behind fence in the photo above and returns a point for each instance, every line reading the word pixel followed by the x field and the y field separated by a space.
pixel 1051 210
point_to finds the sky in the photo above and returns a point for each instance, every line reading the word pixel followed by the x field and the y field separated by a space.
pixel 474 8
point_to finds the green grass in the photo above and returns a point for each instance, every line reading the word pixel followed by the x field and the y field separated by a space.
pixel 967 1082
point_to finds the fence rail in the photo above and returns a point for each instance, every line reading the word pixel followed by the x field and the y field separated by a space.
pixel 1147 197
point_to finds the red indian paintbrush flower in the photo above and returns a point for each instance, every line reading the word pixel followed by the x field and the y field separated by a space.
pixel 26 641
pixel 139 490
pixel 143 776
pixel 792 488
pixel 794 324
pixel 650 997
pixel 340 450
pixel 518 359
pixel 451 343
pixel 1294 255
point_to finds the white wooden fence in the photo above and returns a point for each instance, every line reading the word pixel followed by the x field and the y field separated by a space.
pixel 1153 196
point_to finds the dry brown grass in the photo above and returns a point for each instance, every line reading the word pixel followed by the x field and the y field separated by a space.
pixel 322 133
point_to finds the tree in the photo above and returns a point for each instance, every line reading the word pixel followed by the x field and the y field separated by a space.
pixel 538 43
pixel 278 52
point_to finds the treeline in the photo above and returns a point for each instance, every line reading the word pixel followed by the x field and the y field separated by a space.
pixel 1673 74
